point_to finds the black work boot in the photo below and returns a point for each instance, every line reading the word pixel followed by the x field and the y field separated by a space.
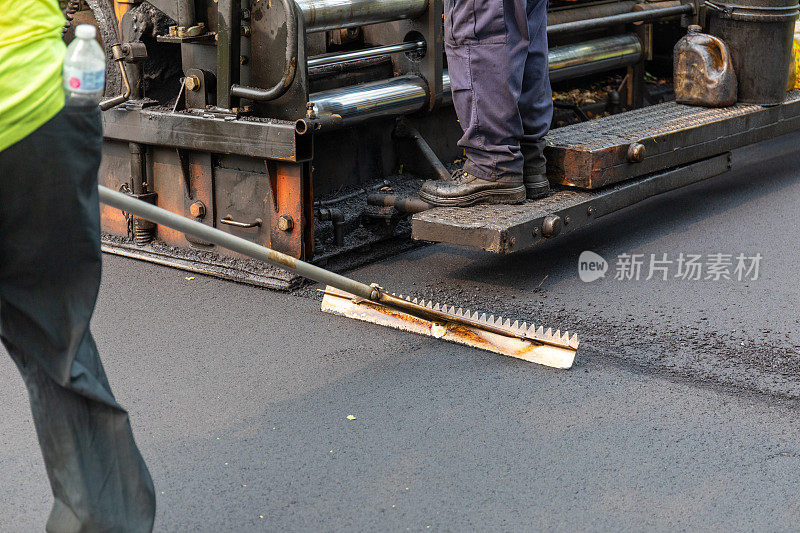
pixel 536 186
pixel 534 171
pixel 464 190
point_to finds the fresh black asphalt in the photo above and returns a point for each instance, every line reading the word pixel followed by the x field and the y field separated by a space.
pixel 680 413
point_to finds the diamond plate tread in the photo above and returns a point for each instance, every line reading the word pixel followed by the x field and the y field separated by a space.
pixel 593 154
pixel 639 124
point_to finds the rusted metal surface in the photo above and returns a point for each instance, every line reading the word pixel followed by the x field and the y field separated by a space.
pixel 595 154
pixel 207 262
pixel 241 199
pixel 505 229
pixel 290 185
pixel 114 172
pixel 180 178
pixel 230 242
pixel 454 329
pixel 264 138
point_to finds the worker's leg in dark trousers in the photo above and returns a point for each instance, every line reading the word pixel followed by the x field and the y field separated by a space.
pixel 49 278
pixel 497 59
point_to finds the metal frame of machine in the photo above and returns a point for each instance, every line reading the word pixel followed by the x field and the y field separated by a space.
pixel 242 114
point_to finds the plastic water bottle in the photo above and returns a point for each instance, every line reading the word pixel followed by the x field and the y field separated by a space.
pixel 84 68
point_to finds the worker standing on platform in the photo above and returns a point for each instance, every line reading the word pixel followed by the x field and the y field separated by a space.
pixel 49 279
pixel 497 59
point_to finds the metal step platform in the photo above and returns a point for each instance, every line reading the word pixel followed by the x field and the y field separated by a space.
pixel 616 148
pixel 611 163
pixel 504 229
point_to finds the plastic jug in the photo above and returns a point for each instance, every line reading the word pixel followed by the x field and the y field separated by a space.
pixel 704 73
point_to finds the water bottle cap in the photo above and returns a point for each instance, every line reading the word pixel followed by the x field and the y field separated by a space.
pixel 85 31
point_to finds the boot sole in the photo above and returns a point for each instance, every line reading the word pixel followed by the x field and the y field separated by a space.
pixel 511 195
pixel 536 192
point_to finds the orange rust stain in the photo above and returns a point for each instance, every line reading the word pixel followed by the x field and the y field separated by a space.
pixel 466 333
pixel 396 314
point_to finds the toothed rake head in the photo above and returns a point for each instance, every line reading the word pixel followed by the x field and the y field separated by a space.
pixel 500 335
pixel 524 331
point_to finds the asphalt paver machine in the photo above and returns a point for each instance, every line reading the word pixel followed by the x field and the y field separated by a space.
pixel 305 126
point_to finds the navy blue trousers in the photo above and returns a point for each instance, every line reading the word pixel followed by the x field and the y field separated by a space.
pixel 497 59
pixel 49 279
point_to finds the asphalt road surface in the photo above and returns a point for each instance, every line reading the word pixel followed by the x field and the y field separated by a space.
pixel 680 413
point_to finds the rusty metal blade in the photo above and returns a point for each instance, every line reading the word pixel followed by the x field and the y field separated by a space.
pixel 453 328
pixel 480 321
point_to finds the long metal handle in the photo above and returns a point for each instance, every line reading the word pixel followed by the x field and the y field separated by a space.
pixel 231 242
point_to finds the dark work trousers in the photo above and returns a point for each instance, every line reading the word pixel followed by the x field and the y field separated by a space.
pixel 49 278
pixel 497 59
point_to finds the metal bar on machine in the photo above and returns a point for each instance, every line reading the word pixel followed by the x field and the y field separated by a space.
pixel 625 18
pixel 396 96
pixel 407 94
pixel 323 15
pixel 228 21
pixel 592 10
pixel 366 53
pixel 590 57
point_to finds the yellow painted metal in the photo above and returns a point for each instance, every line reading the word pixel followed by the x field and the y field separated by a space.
pixel 120 8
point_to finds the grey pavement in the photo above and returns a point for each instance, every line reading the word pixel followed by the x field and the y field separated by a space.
pixel 680 413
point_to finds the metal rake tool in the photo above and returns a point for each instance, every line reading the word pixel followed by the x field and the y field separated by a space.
pixel 371 303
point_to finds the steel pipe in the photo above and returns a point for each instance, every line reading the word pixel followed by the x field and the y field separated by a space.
pixel 625 18
pixel 572 14
pixel 404 130
pixel 408 94
pixel 590 57
pixel 366 53
pixel 397 96
pixel 323 15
